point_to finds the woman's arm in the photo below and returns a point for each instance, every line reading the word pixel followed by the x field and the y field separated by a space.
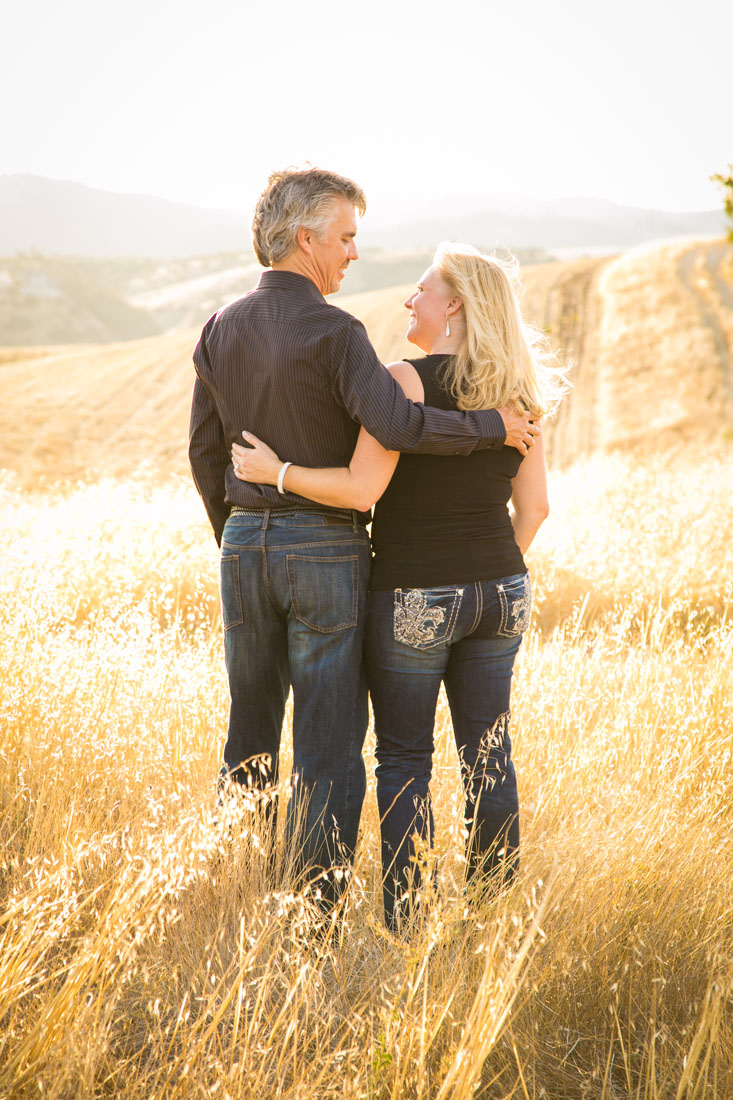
pixel 358 485
pixel 529 496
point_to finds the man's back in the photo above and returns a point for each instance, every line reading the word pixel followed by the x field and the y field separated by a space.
pixel 274 363
pixel 273 357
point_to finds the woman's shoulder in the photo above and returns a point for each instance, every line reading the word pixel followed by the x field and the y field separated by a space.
pixel 409 379
pixel 432 372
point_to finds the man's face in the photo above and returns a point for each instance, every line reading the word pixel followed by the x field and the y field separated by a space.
pixel 334 250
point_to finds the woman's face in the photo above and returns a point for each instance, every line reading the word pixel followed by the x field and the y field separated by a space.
pixel 428 308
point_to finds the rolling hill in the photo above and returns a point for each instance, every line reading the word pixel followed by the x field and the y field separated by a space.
pixel 650 333
pixel 62 217
pixel 73 300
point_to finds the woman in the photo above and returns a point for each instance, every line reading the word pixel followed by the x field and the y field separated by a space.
pixel 450 594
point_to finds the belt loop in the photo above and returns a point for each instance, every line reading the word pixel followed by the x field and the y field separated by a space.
pixel 266 519
pixel 355 520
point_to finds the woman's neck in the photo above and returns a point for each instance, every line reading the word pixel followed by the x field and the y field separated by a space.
pixel 449 345
pixel 445 345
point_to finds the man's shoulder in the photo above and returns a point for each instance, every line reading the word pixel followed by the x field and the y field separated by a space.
pixel 234 308
pixel 331 317
pixel 342 317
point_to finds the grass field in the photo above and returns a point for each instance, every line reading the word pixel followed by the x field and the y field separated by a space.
pixel 144 953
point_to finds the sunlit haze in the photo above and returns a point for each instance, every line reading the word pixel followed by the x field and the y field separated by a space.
pixel 198 103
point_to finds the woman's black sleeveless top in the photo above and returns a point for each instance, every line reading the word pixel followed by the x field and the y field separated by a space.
pixel 443 518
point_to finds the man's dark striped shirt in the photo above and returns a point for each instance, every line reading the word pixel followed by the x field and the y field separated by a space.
pixel 301 374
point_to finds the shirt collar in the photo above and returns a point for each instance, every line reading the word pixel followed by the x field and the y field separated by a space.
pixel 290 281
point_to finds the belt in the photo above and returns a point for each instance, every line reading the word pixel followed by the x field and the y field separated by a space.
pixel 339 518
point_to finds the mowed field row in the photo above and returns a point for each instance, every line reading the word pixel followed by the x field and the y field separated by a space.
pixel 649 334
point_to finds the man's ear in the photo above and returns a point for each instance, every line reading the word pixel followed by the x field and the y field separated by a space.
pixel 303 237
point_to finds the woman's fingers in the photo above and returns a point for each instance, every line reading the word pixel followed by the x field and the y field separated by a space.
pixel 258 462
pixel 246 469
pixel 258 446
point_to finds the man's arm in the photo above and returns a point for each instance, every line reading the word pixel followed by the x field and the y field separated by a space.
pixel 372 396
pixel 208 452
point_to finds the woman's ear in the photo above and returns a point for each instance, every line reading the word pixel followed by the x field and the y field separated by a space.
pixel 453 306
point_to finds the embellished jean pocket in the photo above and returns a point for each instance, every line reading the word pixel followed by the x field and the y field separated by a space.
pixel 515 602
pixel 425 618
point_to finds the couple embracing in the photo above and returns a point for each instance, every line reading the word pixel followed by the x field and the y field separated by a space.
pixel 440 593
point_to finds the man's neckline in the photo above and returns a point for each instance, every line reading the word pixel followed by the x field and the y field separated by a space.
pixel 290 280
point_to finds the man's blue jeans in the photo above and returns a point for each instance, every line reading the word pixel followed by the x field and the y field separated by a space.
pixel 468 636
pixel 293 590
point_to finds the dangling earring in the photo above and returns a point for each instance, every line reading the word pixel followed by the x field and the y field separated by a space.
pixel 447 325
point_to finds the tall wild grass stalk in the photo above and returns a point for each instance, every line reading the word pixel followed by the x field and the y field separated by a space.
pixel 148 950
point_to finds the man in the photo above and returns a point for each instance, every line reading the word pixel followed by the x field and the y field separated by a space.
pixel 302 374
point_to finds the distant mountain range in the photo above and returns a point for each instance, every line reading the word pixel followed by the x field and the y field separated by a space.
pixel 63 218
pixel 516 222
pixel 69 219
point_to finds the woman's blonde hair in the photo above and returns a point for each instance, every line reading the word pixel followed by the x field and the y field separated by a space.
pixel 502 358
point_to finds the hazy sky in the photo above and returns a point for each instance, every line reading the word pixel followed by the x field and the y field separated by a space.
pixel 629 101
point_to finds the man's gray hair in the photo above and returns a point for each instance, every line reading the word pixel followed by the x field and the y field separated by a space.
pixel 294 198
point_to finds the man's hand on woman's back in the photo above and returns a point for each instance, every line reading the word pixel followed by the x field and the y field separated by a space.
pixel 521 429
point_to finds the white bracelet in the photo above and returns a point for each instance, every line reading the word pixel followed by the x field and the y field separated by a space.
pixel 280 477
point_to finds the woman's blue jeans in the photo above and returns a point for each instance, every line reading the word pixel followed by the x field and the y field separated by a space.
pixel 293 590
pixel 465 635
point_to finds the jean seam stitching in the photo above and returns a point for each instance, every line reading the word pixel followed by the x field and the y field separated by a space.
pixel 479 607
pixel 240 620
pixel 266 572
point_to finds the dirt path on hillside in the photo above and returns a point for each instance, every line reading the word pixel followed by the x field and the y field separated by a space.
pixel 563 300
pixel 717 256
pixel 699 271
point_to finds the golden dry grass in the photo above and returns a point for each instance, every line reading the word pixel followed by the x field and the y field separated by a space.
pixel 143 952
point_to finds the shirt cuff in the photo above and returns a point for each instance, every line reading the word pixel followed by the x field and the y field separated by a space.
pixel 493 428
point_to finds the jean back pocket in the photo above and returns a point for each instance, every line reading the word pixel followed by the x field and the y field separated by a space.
pixel 324 590
pixel 515 602
pixel 425 618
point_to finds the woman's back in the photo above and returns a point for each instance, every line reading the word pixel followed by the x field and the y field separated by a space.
pixel 444 519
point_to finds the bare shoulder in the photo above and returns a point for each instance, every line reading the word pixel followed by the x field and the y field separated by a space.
pixel 408 378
